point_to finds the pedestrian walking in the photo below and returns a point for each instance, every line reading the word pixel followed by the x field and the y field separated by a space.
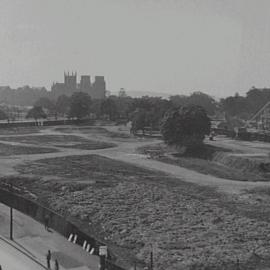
pixel 56 265
pixel 49 256
pixel 46 222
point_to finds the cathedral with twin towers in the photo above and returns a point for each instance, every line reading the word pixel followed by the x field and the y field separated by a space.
pixel 96 90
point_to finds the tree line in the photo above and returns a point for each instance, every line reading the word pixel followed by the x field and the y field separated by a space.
pixel 183 120
pixel 181 123
pixel 147 111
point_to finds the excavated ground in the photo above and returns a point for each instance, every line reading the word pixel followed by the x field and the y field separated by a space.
pixel 216 159
pixel 134 210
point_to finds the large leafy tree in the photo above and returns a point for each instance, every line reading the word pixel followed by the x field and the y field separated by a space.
pixel 149 111
pixel 203 100
pixel 139 120
pixel 108 107
pixel 196 98
pixel 80 105
pixel 63 105
pixel 3 115
pixel 236 106
pixel 47 105
pixel 36 112
pixel 185 126
pixel 256 98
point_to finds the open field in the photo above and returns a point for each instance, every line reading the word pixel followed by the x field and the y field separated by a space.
pixel 190 226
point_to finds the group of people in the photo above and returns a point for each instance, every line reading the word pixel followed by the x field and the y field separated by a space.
pixel 49 257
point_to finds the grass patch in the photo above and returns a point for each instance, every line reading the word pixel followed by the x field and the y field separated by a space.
pixel 9 150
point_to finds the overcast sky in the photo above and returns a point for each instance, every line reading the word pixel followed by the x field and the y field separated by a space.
pixel 172 46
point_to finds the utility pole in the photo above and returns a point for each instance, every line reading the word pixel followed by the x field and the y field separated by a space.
pixel 11 215
pixel 11 223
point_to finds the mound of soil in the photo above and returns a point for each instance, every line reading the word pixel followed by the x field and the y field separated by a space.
pixel 243 163
pixel 216 161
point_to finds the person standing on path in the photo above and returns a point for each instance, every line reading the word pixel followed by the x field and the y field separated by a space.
pixel 56 265
pixel 46 222
pixel 49 256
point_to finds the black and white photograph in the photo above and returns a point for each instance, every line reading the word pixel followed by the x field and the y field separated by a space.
pixel 134 134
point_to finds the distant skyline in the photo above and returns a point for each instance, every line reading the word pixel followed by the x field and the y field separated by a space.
pixel 167 46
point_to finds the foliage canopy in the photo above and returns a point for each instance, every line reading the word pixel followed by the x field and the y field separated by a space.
pixel 185 126
pixel 80 105
pixel 36 112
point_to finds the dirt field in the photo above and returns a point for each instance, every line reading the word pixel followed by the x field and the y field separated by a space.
pixel 212 159
pixel 78 167
pixel 10 150
pixel 44 139
pixel 188 220
pixel 20 130
pixel 130 208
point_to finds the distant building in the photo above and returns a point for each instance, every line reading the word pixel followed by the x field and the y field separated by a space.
pixel 96 90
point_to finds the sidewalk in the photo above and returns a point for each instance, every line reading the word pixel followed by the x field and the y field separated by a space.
pixel 12 259
pixel 31 238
